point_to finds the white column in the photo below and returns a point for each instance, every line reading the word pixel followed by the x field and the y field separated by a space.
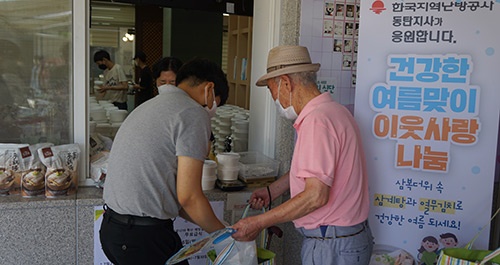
pixel 80 80
pixel 266 23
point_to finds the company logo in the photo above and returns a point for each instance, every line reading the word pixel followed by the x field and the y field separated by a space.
pixel 377 7
pixel 25 152
pixel 47 152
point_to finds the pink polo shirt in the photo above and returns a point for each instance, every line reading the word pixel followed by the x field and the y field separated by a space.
pixel 329 148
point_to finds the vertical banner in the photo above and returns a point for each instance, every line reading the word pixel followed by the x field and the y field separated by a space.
pixel 427 102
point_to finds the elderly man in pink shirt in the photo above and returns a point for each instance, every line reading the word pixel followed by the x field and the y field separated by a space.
pixel 327 180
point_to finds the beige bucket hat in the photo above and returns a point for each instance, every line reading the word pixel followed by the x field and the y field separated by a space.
pixel 284 60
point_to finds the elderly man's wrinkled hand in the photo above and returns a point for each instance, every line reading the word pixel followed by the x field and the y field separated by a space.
pixel 259 199
pixel 247 229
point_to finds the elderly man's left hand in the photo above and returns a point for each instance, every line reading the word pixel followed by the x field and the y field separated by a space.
pixel 247 229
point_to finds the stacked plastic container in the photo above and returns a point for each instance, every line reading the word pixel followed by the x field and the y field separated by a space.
pixel 228 166
pixel 230 129
pixel 209 175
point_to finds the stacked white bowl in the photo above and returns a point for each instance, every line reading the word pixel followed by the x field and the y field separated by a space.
pixel 228 166
pixel 110 108
pixel 106 116
pixel 209 175
pixel 98 114
pixel 239 132
pixel 221 127
pixel 230 120
pixel 117 115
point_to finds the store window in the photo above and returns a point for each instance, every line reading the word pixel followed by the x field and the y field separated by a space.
pixel 36 71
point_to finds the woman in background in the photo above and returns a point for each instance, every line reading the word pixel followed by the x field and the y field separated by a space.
pixel 165 72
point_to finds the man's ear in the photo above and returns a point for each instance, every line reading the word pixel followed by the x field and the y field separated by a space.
pixel 210 85
pixel 286 81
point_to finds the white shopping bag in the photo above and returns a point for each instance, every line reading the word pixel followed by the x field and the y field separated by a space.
pixel 230 251
pixel 227 250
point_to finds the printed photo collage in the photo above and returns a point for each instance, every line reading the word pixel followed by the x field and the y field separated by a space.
pixel 341 22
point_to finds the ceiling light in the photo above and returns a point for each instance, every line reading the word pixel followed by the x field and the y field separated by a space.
pixel 129 36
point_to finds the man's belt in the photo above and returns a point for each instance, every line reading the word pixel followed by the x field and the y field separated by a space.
pixel 135 220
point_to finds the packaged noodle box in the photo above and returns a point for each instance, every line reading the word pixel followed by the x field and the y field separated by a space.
pixel 10 169
pixel 61 177
pixel 33 170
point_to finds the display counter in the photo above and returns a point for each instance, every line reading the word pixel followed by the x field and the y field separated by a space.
pixel 60 231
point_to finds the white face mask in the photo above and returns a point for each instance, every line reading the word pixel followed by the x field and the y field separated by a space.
pixel 211 112
pixel 162 88
pixel 289 113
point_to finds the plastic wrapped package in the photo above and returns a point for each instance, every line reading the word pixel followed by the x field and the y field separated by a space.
pixel 99 168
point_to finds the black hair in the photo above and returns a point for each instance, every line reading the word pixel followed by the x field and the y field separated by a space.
pixel 449 235
pixel 199 70
pixel 166 64
pixel 141 56
pixel 100 55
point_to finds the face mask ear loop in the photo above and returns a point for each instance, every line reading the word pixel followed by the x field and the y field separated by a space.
pixel 215 102
pixel 279 86
pixel 206 102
